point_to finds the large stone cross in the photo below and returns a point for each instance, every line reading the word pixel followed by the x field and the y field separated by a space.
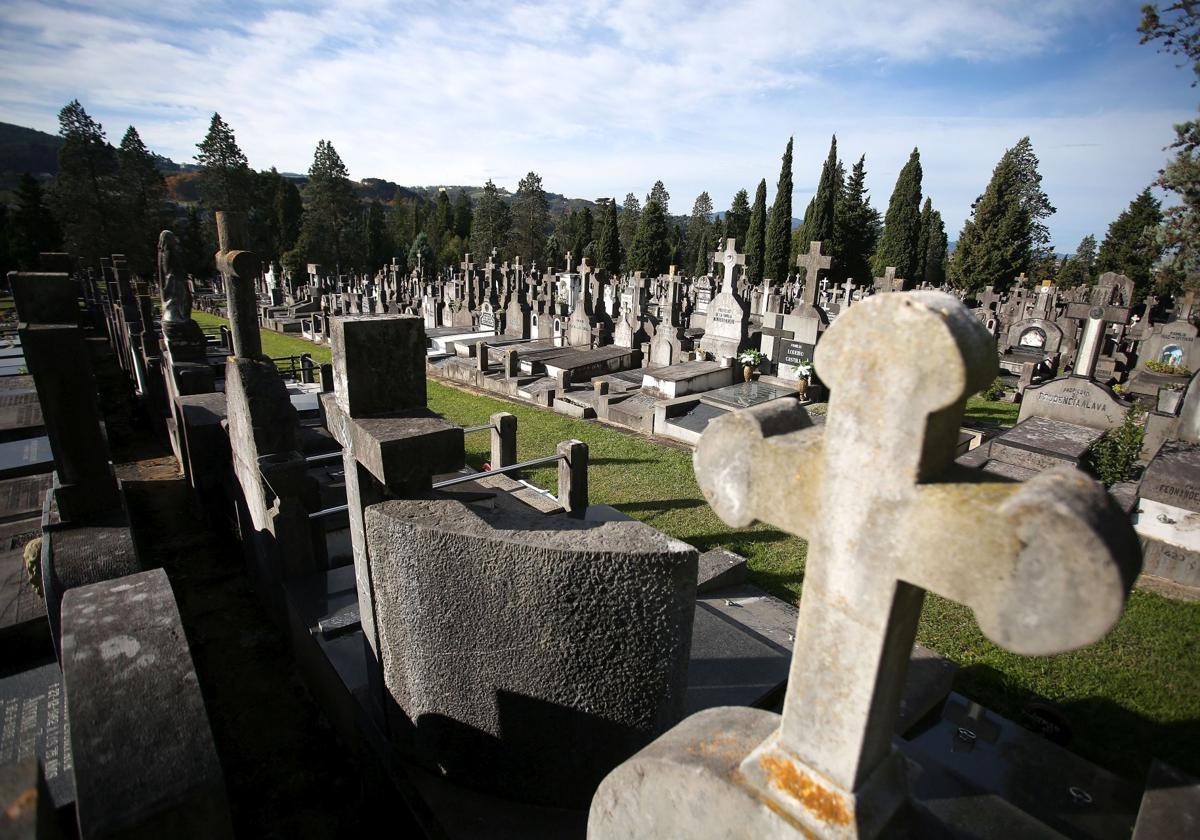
pixel 240 268
pixel 731 259
pixel 1045 565
pixel 467 266
pixel 812 263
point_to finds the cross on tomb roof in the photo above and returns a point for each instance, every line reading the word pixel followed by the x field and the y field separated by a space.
pixel 812 263
pixel 584 268
pixel 568 262
pixel 1045 565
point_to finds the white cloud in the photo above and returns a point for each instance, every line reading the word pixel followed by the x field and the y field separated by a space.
pixel 599 97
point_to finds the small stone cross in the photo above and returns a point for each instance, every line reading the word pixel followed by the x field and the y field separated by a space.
pixel 812 263
pixel 1045 565
pixel 731 259
pixel 467 266
pixel 887 283
pixel 568 262
pixel 584 268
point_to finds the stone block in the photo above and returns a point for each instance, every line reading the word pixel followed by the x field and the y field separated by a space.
pixel 1170 806
pixel 45 297
pixel 145 763
pixel 379 363
pixel 719 568
pixel 532 655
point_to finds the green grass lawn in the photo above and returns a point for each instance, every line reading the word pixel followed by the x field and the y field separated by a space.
pixel 1132 697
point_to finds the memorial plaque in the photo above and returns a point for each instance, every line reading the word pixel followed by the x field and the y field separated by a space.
pixel 796 353
pixel 33 721
pixel 487 321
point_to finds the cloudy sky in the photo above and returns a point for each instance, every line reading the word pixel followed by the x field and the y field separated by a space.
pixel 603 97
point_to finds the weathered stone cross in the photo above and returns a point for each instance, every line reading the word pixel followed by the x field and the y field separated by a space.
pixel 568 262
pixel 731 260
pixel 1045 565
pixel 812 263
pixel 467 266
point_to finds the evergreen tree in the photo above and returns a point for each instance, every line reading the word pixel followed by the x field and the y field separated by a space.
pixel 608 243
pixel 84 195
pixel 31 229
pixel 331 230
pixel 582 233
pixel 857 230
pixel 651 248
pixel 142 193
pixel 438 226
pixel 756 233
pixel 400 223
pixel 288 210
pixel 923 238
pixel 552 253
pixel 737 218
pixel 420 254
pixel 489 223
pixel 224 175
pixel 1131 246
pixel 197 256
pixel 902 224
pixel 6 261
pixel 462 215
pixel 659 194
pixel 1079 268
pixel 934 269
pixel 530 218
pixel 377 243
pixel 777 245
pixel 627 221
pixel 695 249
pixel 820 219
pixel 801 233
pixel 1001 239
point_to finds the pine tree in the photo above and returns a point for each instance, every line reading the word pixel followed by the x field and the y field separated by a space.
pixel 651 248
pixel 142 192
pixel 377 243
pixel 6 260
pixel 31 228
pixel 902 224
pixel 778 241
pixel 627 221
pixel 197 256
pixel 1003 237
pixel 1131 246
pixel 737 218
pixel 489 223
pixel 438 226
pixel 1079 268
pixel 331 232
pixel 224 175
pixel 530 218
pixel 756 236
pixel 857 230
pixel 84 197
pixel 421 254
pixel 608 243
pixel 934 270
pixel 695 249
pixel 288 210
pixel 659 193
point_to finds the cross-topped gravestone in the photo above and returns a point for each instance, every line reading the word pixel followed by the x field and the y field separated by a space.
pixel 813 263
pixel 731 259
pixel 888 282
pixel 1045 566
pixel 239 268
pixel 568 262
pixel 467 266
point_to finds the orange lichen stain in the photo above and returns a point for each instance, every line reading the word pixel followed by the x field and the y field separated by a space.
pixel 25 800
pixel 821 803
pixel 719 746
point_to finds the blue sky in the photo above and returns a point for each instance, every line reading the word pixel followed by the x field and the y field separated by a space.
pixel 603 97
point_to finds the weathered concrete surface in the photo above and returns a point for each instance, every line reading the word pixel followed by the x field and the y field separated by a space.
pixel 145 764
pixel 387 356
pixel 532 655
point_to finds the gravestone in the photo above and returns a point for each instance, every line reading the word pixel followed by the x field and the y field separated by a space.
pixel 725 322
pixel 1045 566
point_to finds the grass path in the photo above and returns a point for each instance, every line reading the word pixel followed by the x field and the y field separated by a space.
pixel 1131 697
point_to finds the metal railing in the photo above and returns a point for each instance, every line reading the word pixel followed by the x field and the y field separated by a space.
pixel 458 479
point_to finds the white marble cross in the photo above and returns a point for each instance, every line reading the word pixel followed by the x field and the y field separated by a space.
pixel 731 259
pixel 1045 565
pixel 568 262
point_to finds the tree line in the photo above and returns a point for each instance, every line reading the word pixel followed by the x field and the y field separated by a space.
pixel 109 199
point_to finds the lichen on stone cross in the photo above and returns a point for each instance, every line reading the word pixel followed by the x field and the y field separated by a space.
pixel 812 263
pixel 1045 565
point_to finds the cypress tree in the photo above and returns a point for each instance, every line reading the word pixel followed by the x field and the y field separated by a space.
pixel 608 244
pixel 1078 269
pixel 462 215
pixel 698 229
pixel 627 222
pixel 737 218
pixel 820 217
pixel 1004 236
pixel 902 224
pixel 756 233
pixel 923 238
pixel 1130 247
pixel 659 194
pixel 801 233
pixel 142 193
pixel 934 270
pixel 651 248
pixel 778 241
pixel 857 229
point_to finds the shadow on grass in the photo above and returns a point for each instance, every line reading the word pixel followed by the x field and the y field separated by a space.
pixel 598 461
pixel 1097 729
pixel 659 505
pixel 733 539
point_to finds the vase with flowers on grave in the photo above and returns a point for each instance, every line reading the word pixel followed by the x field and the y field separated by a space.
pixel 803 377
pixel 749 360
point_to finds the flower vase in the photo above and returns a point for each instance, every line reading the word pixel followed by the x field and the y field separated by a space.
pixel 802 388
pixel 747 370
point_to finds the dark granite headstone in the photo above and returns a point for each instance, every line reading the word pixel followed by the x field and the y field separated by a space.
pixel 33 723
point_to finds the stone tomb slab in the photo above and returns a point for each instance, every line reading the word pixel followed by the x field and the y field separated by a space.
pixel 34 723
pixel 20 416
pixel 746 394
pixel 582 365
pixel 1073 399
pixel 685 378
pixel 22 498
pixel 31 456
pixel 1040 443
